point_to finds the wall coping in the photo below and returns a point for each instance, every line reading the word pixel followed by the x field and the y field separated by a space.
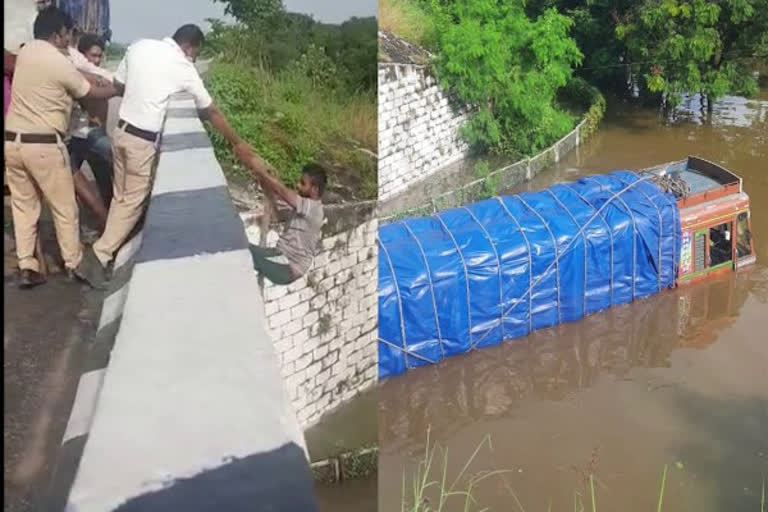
pixel 192 412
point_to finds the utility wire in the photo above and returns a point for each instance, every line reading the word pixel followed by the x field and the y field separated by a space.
pixel 625 64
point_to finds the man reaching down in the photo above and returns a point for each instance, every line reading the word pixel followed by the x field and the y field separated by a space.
pixel 296 248
pixel 149 74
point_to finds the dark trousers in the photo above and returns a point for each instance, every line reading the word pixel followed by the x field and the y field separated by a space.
pixel 278 273
pixel 97 151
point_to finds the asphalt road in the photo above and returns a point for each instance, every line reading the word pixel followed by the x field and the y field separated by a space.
pixel 47 335
pixel 48 331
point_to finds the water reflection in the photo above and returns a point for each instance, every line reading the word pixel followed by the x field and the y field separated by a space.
pixel 678 376
pixel 552 364
pixel 730 111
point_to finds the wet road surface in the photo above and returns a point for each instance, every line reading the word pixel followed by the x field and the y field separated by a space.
pixel 45 341
pixel 677 379
pixel 47 334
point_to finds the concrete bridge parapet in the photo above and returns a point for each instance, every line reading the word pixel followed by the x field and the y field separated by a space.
pixel 191 412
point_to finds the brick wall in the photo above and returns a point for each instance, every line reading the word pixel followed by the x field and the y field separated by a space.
pixel 324 325
pixel 418 127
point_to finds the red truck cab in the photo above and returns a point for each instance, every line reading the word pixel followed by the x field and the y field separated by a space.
pixel 714 219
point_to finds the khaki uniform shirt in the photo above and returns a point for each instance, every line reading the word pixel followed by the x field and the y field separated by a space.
pixel 44 85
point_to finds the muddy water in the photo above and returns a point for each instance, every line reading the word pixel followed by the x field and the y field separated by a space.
pixel 347 429
pixel 678 379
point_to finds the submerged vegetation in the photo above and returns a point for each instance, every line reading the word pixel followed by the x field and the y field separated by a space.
pixel 422 484
pixel 298 90
pixel 428 494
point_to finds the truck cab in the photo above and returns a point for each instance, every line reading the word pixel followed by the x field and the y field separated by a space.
pixel 716 235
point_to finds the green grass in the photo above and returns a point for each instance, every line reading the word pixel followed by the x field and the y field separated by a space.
pixel 423 487
pixel 406 19
pixel 428 494
pixel 290 122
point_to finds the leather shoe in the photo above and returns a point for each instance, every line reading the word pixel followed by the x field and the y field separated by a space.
pixel 91 271
pixel 29 278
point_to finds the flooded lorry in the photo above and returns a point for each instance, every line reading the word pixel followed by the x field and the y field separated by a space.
pixel 498 269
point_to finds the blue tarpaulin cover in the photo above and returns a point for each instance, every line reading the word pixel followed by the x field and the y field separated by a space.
pixel 474 276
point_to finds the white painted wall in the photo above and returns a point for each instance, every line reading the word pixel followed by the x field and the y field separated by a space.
pixel 325 324
pixel 418 128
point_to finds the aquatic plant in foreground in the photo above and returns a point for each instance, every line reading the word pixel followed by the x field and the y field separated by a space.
pixel 422 485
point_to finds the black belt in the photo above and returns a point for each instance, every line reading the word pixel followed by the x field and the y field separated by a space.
pixel 33 138
pixel 138 132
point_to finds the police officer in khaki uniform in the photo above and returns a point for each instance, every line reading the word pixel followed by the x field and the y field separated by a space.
pixel 44 88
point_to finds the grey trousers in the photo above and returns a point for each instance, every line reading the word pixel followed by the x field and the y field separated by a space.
pixel 278 273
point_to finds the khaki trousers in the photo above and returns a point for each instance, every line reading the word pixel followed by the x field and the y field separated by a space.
pixel 133 160
pixel 43 166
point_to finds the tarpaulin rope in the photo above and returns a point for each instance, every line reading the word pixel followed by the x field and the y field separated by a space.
pixel 584 238
pixel 498 261
pixel 568 246
pixel 530 260
pixel 675 223
pixel 431 287
pixel 399 301
pixel 557 252
pixel 610 237
pixel 466 272
pixel 406 352
pixel 661 234
pixel 634 232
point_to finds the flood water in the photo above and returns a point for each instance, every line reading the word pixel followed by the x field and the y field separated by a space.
pixel 678 379
pixel 349 428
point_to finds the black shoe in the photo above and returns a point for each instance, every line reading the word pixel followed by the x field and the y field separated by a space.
pixel 91 271
pixel 29 279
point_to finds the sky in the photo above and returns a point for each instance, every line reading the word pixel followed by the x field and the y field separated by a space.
pixel 135 19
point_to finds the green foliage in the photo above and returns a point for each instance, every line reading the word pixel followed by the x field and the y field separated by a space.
pixel 255 14
pixel 287 37
pixel 408 20
pixel 581 96
pixel 290 122
pixel 693 46
pixel 666 48
pixel 318 67
pixel 509 67
pixel 297 90
pixel 490 184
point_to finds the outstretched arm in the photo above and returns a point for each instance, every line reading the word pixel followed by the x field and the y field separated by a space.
pixel 261 169
pixel 220 123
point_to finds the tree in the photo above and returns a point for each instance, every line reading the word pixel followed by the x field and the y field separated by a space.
pixel 695 46
pixel 509 67
pixel 254 13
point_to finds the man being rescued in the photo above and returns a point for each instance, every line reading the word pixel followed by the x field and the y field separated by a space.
pixel 297 246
